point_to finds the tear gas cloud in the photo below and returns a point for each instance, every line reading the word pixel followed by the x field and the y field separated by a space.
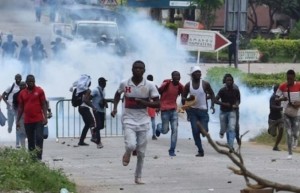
pixel 154 45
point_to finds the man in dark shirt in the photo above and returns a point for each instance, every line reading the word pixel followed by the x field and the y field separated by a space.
pixel 232 49
pixel 229 103
pixel 237 126
pixel 275 118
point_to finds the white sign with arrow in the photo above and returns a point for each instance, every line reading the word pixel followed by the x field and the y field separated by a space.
pixel 201 40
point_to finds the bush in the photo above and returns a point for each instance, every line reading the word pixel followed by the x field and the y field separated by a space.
pixel 215 75
pixel 265 57
pixel 276 47
pixel 18 171
pixel 252 80
pixel 172 26
pixel 295 32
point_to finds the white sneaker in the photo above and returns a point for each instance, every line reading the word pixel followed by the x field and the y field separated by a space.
pixel 295 143
pixel 289 157
pixel 100 145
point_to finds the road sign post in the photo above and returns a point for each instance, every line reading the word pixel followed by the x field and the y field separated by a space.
pixel 248 56
pixel 201 40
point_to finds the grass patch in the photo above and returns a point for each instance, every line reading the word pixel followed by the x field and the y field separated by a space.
pixel 266 139
pixel 18 171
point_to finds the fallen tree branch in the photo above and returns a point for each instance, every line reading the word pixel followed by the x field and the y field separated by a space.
pixel 237 159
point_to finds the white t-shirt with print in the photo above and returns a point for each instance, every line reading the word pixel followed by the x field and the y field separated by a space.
pixel 132 112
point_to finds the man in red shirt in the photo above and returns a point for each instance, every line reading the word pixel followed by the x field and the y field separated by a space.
pixel 32 103
pixel 169 91
pixel 289 92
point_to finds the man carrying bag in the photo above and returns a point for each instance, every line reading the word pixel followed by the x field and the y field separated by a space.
pixel 289 92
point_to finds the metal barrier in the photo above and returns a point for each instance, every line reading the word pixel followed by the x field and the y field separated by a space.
pixel 69 122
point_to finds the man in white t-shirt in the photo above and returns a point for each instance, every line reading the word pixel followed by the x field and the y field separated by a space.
pixel 139 94
pixel 8 99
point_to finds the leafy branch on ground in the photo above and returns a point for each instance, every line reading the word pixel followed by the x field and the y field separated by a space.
pixel 19 171
pixel 237 159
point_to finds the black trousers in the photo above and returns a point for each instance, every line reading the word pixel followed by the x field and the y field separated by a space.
pixel 34 132
pixel 88 120
pixel 100 118
pixel 231 56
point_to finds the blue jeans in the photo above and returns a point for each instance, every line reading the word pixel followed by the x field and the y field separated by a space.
pixel 228 123
pixel 201 116
pixel 10 119
pixel 153 125
pixel 170 116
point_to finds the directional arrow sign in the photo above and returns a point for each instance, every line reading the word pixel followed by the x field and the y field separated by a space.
pixel 201 40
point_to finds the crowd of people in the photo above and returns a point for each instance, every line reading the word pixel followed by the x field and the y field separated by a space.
pixel 30 56
pixel 28 108
pixel 141 99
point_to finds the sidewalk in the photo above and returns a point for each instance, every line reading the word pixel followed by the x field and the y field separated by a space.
pixel 100 170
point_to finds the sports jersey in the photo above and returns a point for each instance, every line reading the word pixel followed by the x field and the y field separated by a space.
pixel 134 113
pixel 294 91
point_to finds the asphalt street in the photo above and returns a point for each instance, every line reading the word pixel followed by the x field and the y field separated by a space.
pixel 101 170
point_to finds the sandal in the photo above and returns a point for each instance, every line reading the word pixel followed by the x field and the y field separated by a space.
pixel 126 159
pixel 138 181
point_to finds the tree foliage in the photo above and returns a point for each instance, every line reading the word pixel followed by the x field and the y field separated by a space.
pixel 208 10
pixel 295 32
pixel 288 7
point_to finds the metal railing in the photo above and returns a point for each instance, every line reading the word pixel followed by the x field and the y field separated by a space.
pixel 69 122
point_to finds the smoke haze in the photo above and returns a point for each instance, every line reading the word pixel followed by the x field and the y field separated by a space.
pixel 153 44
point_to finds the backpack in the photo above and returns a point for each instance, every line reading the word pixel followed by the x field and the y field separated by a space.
pixel 11 89
pixel 77 100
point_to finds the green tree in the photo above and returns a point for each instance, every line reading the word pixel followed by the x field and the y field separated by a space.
pixel 289 7
pixel 295 32
pixel 292 9
pixel 208 10
pixel 252 17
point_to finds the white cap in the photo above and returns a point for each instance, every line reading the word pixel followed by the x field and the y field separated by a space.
pixel 194 69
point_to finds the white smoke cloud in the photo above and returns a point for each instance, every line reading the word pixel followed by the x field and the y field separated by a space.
pixel 154 44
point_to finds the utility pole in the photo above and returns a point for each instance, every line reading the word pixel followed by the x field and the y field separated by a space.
pixel 236 21
pixel 238 34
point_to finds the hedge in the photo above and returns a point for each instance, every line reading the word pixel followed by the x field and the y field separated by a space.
pixel 277 46
pixel 252 80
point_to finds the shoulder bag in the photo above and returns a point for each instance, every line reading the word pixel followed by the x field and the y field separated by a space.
pixel 290 110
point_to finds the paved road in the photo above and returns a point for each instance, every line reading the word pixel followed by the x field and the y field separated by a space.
pixel 100 170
